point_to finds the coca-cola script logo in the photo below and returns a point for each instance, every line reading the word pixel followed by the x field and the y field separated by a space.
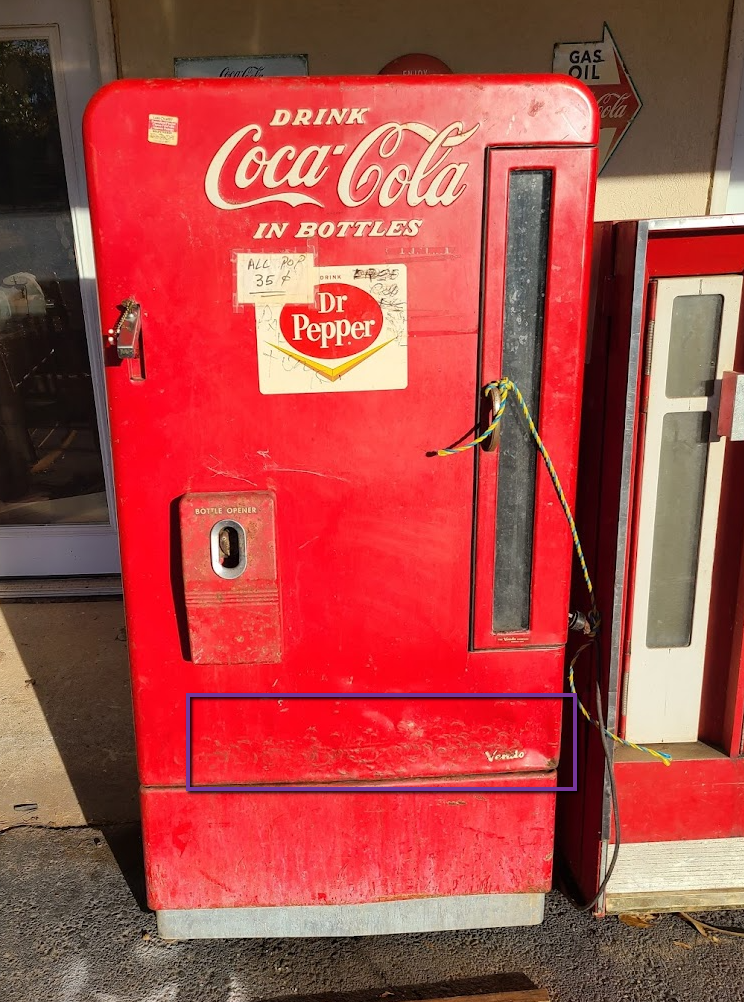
pixel 614 104
pixel 343 321
pixel 377 167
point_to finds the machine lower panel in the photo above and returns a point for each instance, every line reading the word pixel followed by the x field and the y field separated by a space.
pixel 473 911
pixel 696 799
pixel 368 739
pixel 279 850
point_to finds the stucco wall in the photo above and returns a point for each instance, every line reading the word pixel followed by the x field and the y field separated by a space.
pixel 676 54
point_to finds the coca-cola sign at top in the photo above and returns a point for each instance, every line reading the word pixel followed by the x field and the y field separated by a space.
pixel 409 162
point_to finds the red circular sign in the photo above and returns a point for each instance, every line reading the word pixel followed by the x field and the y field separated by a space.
pixel 343 321
pixel 416 64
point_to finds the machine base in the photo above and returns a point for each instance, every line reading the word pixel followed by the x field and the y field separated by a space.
pixel 468 911
pixel 687 875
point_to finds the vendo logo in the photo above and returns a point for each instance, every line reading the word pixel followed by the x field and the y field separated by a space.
pixel 344 322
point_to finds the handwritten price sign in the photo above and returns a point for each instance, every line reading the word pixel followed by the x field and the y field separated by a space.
pixel 289 277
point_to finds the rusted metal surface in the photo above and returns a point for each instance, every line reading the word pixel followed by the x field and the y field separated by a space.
pixel 226 850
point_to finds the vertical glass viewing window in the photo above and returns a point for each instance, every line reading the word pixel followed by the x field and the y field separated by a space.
pixel 528 224
pixel 693 345
pixel 679 512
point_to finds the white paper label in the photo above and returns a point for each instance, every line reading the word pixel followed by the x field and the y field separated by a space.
pixel 162 129
pixel 352 335
pixel 288 277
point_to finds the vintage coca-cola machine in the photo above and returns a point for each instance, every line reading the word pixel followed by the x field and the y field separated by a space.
pixel 660 504
pixel 306 286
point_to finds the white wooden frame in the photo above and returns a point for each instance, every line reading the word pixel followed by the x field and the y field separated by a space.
pixel 103 25
pixel 72 29
pixel 665 684
pixel 727 189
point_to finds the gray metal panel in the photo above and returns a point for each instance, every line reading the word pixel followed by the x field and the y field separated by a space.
pixel 678 876
pixel 636 320
pixel 472 911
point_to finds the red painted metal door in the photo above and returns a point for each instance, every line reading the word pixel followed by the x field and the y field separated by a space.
pixel 320 307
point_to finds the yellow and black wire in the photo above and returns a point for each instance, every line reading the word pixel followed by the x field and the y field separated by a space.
pixel 588 624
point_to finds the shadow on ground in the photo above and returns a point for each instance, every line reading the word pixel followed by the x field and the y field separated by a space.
pixel 74 654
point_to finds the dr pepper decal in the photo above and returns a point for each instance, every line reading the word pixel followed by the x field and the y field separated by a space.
pixel 353 336
pixel 343 321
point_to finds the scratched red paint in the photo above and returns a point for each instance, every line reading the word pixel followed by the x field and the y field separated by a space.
pixel 227 850
pixel 245 741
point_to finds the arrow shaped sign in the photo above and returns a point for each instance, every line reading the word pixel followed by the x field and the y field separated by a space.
pixel 600 66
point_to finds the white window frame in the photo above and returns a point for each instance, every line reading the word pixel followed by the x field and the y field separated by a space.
pixel 67 550
pixel 727 189
pixel 665 684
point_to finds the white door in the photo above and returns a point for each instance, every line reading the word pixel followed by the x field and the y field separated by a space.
pixel 694 339
pixel 56 501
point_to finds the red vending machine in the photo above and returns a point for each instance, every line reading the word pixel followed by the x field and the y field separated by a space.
pixel 661 480
pixel 308 284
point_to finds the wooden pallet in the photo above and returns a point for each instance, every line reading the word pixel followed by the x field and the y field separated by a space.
pixel 503 987
pixel 523 995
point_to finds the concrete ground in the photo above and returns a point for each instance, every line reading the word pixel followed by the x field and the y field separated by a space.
pixel 66 740
pixel 73 929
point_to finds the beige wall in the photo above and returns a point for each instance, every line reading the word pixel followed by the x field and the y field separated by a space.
pixel 675 51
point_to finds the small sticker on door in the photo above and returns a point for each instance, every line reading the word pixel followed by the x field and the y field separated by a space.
pixel 353 335
pixel 162 129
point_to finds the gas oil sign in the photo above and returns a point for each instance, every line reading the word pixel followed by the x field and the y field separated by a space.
pixel 600 66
